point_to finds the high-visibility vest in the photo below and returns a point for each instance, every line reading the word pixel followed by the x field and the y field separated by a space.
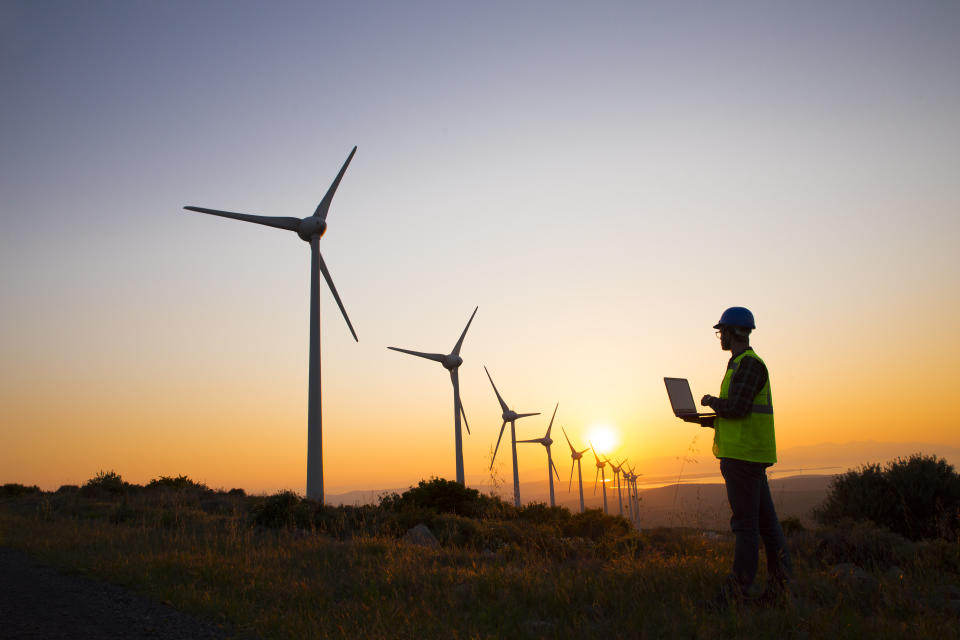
pixel 751 437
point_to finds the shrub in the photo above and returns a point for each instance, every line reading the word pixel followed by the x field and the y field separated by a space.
pixel 284 509
pixel 863 544
pixel 180 483
pixel 443 496
pixel 12 490
pixel 108 482
pixel 595 525
pixel 917 498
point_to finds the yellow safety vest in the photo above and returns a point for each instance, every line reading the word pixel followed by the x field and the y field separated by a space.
pixel 751 437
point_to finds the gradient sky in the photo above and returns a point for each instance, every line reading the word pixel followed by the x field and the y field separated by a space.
pixel 602 179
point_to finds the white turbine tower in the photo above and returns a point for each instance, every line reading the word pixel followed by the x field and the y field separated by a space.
pixel 451 362
pixel 546 441
pixel 511 417
pixel 576 455
pixel 603 476
pixel 310 229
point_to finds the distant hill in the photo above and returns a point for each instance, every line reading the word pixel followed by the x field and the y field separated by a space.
pixel 798 482
pixel 694 505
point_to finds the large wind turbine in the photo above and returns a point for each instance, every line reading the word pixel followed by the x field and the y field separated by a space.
pixel 511 417
pixel 603 476
pixel 310 229
pixel 576 455
pixel 546 441
pixel 451 362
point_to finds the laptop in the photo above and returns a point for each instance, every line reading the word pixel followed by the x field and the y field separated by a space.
pixel 681 399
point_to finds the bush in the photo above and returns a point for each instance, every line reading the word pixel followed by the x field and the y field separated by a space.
pixel 917 498
pixel 863 544
pixel 180 483
pixel 443 496
pixel 108 482
pixel 12 490
pixel 285 509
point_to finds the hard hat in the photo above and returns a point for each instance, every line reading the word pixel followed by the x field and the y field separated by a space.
pixel 736 317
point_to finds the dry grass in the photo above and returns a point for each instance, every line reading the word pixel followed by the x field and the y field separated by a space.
pixel 207 558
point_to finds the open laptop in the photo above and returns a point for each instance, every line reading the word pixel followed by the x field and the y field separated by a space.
pixel 681 399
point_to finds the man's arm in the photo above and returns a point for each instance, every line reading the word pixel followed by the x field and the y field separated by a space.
pixel 750 377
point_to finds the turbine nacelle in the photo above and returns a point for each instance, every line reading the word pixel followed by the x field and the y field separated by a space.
pixel 310 227
pixel 451 361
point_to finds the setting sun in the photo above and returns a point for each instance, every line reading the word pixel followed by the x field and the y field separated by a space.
pixel 603 437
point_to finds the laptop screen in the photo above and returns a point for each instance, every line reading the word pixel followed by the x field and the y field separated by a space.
pixel 681 398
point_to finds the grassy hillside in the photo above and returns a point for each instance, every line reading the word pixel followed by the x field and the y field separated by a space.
pixel 282 567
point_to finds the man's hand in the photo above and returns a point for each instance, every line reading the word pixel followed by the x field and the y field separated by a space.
pixel 707 400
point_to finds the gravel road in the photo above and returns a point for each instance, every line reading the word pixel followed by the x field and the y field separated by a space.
pixel 38 602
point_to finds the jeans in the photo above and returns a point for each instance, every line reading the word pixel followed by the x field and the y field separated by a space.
pixel 754 518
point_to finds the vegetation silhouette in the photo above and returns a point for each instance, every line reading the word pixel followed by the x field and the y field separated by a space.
pixel 917 497
pixel 284 566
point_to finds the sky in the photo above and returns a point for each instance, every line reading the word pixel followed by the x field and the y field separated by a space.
pixel 601 179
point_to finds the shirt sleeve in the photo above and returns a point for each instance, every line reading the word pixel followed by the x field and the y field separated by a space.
pixel 747 382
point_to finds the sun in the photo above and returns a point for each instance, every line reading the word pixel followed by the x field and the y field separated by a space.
pixel 603 437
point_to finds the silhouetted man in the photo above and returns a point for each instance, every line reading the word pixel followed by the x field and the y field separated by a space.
pixel 744 441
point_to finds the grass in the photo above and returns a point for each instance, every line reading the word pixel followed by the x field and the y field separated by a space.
pixel 492 577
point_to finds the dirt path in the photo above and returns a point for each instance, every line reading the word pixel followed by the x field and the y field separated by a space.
pixel 39 602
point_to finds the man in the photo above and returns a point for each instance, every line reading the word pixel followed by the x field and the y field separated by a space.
pixel 744 441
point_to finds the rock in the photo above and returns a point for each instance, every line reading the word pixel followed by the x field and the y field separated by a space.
pixel 422 536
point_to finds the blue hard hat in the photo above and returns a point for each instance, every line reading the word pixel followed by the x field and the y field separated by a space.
pixel 736 317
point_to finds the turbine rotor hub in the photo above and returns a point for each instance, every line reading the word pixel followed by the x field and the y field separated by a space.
pixel 509 416
pixel 452 361
pixel 312 226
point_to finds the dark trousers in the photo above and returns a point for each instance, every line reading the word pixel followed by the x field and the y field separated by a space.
pixel 754 518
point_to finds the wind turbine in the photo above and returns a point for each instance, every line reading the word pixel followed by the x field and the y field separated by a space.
pixel 546 441
pixel 451 362
pixel 616 475
pixel 511 417
pixel 600 465
pixel 310 229
pixel 576 455
pixel 636 496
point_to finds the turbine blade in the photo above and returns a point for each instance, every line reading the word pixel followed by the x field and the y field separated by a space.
pixel 550 426
pixel 503 405
pixel 537 440
pixel 570 482
pixel 324 205
pixel 456 349
pixel 493 459
pixel 315 246
pixel 455 379
pixel 527 415
pixel 556 473
pixel 290 224
pixel 572 450
pixel 595 477
pixel 436 357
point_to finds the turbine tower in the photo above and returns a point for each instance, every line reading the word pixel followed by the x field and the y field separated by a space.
pixel 600 465
pixel 451 362
pixel 546 441
pixel 576 455
pixel 511 417
pixel 310 229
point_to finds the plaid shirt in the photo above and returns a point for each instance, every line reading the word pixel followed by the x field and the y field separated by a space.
pixel 747 382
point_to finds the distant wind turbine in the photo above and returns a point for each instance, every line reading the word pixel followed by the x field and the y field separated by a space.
pixel 546 441
pixel 310 229
pixel 511 417
pixel 451 362
pixel 603 476
pixel 616 475
pixel 576 455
